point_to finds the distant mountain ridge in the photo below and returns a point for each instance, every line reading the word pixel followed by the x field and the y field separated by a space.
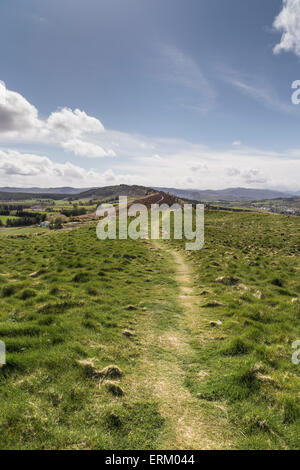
pixel 106 193
pixel 110 192
pixel 227 195
pixel 35 190
pixel 116 191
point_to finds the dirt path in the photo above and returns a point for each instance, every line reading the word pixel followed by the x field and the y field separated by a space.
pixel 166 353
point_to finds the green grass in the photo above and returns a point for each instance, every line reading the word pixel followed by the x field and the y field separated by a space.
pixel 21 231
pixel 3 218
pixel 248 357
pixel 76 307
pixel 86 291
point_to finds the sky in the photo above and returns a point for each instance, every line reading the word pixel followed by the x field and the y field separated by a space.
pixel 173 93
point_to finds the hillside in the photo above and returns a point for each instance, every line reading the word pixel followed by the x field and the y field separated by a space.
pixel 152 347
pixel 107 192
pixel 26 196
pixel 67 190
pixel 230 194
pixel 113 192
pixel 136 191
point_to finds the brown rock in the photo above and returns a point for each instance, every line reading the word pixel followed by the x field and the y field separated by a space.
pixel 128 333
pixel 36 273
pixel 216 323
pixel 228 281
pixel 258 294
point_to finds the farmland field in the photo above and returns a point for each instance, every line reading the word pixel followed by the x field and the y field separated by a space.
pixel 3 218
pixel 198 345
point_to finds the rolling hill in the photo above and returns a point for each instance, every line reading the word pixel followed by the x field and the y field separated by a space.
pixel 136 191
pixel 20 196
pixel 230 194
pixel 63 190
pixel 111 192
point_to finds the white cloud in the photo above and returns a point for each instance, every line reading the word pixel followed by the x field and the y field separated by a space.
pixel 288 21
pixel 17 115
pixel 233 171
pixel 66 123
pixel 254 176
pixel 144 160
pixel 190 165
pixel 79 147
pixel 22 169
pixel 74 131
pixel 17 164
pixel 180 164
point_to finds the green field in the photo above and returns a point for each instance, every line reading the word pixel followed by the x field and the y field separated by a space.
pixel 3 218
pixel 10 231
pixel 205 363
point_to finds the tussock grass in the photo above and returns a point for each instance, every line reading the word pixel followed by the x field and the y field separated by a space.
pixel 65 314
pixel 87 293
pixel 260 321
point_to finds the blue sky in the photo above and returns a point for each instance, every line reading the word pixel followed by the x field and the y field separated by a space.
pixel 180 93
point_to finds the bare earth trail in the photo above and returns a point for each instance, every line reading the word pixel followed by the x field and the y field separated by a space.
pixel 165 335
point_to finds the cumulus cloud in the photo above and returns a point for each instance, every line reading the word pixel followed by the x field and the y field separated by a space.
pixel 23 169
pixel 74 131
pixel 16 113
pixel 145 160
pixel 250 175
pixel 254 176
pixel 72 123
pixel 233 171
pixel 182 164
pixel 288 21
pixel 15 163
pixel 82 148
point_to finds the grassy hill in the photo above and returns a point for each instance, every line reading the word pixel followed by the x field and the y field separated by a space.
pixel 11 196
pixel 113 192
pixel 230 194
pixel 107 192
pixel 214 356
pixel 65 190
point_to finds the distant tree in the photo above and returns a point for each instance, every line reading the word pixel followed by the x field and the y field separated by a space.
pixel 74 212
pixel 57 222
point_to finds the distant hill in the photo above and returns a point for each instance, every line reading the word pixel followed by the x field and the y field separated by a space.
pixel 230 194
pixel 64 190
pixel 10 196
pixel 135 191
pixel 111 192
